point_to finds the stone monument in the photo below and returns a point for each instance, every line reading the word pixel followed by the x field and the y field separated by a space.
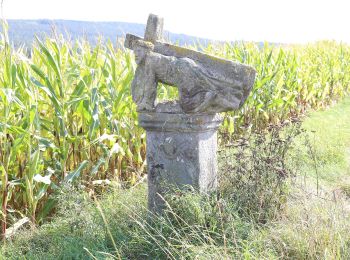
pixel 182 135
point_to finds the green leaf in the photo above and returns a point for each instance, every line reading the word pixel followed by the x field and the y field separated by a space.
pixel 49 58
pixel 94 169
pixel 72 176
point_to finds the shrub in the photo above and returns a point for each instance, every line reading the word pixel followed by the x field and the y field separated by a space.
pixel 255 170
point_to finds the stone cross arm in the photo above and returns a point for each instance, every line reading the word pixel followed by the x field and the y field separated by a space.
pixel 208 73
pixel 226 68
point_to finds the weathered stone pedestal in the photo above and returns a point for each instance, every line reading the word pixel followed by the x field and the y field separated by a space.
pixel 181 136
pixel 181 151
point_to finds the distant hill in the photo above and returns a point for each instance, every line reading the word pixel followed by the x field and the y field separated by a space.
pixel 23 31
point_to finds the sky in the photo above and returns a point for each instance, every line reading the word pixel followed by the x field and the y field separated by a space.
pixel 285 21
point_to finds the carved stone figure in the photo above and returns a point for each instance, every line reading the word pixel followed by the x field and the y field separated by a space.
pixel 182 135
pixel 206 83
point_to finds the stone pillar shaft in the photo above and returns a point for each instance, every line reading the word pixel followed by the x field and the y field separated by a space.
pixel 181 151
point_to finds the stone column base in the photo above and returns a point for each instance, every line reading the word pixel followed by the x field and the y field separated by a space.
pixel 181 151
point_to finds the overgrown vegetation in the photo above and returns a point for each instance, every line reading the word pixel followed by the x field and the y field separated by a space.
pixel 67 115
pixel 312 223
pixel 256 169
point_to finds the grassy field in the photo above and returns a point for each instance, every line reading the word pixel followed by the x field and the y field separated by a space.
pixel 331 142
pixel 312 224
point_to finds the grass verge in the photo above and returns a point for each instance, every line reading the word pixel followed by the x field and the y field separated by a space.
pixel 312 224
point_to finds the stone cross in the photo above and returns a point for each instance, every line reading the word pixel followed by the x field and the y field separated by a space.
pixel 182 136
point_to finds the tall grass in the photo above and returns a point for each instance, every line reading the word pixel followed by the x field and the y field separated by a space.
pixel 66 114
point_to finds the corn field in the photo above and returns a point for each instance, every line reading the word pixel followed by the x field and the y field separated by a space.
pixel 66 114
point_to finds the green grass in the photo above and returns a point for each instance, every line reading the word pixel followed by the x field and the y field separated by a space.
pixel 310 226
pixel 329 134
